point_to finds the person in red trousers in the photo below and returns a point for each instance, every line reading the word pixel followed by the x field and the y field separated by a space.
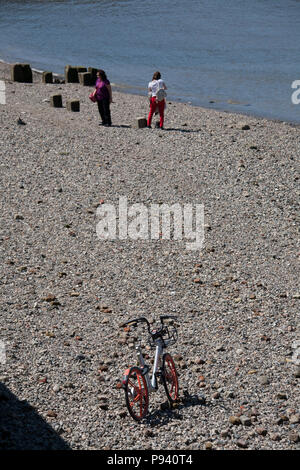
pixel 157 102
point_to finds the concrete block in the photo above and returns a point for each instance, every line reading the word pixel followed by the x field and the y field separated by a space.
pixel 140 122
pixel 93 73
pixel 21 73
pixel 56 101
pixel 81 69
pixel 85 78
pixel 71 74
pixel 47 77
pixel 73 105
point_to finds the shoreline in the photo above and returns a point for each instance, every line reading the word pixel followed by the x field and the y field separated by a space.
pixel 128 89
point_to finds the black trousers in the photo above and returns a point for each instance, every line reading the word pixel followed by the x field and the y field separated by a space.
pixel 104 111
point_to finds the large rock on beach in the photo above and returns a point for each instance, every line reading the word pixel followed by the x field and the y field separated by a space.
pixel 21 73
pixel 244 126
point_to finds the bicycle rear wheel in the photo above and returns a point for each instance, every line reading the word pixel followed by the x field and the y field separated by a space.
pixel 170 378
pixel 136 393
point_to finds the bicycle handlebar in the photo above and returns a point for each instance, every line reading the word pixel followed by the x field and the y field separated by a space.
pixel 143 319
pixel 155 334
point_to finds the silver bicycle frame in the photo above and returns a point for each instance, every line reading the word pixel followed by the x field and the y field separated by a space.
pixel 160 344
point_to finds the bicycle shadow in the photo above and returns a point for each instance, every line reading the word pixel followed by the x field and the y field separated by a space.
pixel 22 428
pixel 169 413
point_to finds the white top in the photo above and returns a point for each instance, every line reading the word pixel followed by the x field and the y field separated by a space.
pixel 156 85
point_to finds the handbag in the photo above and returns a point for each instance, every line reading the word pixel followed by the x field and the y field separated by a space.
pixel 92 97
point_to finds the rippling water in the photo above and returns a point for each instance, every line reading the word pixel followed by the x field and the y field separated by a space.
pixel 236 55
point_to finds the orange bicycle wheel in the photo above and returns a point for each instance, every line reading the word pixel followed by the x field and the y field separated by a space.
pixel 136 393
pixel 170 378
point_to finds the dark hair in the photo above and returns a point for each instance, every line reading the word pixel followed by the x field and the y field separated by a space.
pixel 156 75
pixel 102 74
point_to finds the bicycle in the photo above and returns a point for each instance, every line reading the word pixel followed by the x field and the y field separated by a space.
pixel 136 380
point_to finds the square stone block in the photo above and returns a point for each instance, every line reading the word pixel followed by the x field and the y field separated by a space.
pixel 81 69
pixel 73 105
pixel 21 73
pixel 140 122
pixel 56 101
pixel 47 77
pixel 93 73
pixel 71 74
pixel 85 78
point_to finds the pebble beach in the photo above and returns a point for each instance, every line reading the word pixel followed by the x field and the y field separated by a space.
pixel 65 292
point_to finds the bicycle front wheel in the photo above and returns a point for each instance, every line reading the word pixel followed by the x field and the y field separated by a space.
pixel 170 378
pixel 136 393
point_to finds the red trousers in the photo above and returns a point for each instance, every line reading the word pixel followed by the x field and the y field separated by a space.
pixel 161 108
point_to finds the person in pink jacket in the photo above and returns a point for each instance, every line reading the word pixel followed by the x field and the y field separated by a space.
pixel 103 95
